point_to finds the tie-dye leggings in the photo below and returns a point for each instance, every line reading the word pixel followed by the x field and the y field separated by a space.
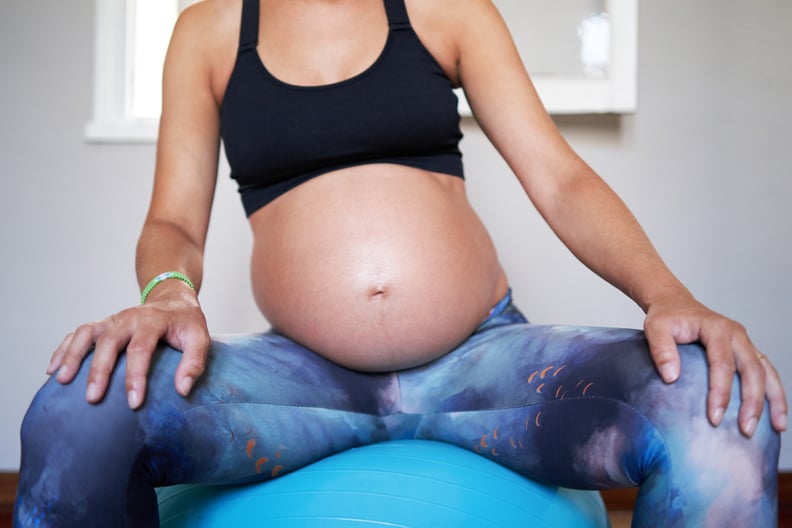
pixel 569 406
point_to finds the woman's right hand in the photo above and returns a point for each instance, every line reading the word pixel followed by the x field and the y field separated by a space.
pixel 174 233
pixel 173 316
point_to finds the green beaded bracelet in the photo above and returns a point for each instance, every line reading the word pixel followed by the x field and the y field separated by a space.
pixel 161 277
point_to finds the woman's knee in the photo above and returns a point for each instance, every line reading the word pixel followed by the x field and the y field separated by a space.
pixel 60 420
pixel 65 441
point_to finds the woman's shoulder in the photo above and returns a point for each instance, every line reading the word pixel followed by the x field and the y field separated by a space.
pixel 450 14
pixel 454 20
pixel 447 27
pixel 210 21
pixel 209 28
pixel 206 39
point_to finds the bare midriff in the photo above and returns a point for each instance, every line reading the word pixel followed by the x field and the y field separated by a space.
pixel 375 267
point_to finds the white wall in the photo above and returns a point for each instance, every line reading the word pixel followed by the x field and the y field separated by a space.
pixel 705 164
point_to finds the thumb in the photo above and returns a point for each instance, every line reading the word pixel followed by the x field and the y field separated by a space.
pixel 195 349
pixel 663 349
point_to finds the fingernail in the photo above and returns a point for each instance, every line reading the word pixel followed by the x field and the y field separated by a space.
pixel 62 372
pixel 133 397
pixel 782 422
pixel 186 385
pixel 92 393
pixel 750 426
pixel 717 416
pixel 668 372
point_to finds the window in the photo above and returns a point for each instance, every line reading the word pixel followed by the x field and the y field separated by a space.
pixel 130 43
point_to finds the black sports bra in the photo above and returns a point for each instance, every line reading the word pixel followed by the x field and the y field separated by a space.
pixel 400 110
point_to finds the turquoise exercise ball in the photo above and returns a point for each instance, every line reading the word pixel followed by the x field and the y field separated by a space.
pixel 409 483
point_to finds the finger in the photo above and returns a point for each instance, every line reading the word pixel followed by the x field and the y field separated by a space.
pixel 752 392
pixel 664 351
pixel 105 356
pixel 76 349
pixel 752 379
pixel 775 395
pixel 195 348
pixel 721 376
pixel 139 352
pixel 57 357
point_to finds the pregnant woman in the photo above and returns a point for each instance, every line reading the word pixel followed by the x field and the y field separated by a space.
pixel 391 315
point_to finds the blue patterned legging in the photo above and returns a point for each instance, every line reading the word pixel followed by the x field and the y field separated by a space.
pixel 569 406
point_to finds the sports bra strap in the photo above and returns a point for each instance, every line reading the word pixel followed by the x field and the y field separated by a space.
pixel 397 14
pixel 248 32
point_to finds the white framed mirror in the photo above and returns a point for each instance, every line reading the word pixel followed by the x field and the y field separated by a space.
pixel 582 55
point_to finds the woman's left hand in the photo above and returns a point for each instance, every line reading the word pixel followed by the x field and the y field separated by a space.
pixel 684 320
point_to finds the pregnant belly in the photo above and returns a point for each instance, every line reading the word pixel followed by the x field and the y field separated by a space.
pixel 379 267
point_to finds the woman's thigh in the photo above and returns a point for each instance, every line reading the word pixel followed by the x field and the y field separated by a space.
pixel 585 407
pixel 265 406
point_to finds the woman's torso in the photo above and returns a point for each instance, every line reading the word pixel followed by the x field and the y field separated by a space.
pixel 375 266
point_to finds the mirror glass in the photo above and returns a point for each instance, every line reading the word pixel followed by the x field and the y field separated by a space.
pixel 566 38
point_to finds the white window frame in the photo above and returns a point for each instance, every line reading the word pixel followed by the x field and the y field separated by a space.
pixel 110 123
pixel 618 92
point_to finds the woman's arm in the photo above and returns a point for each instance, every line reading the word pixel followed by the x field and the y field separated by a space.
pixel 172 238
pixel 596 225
